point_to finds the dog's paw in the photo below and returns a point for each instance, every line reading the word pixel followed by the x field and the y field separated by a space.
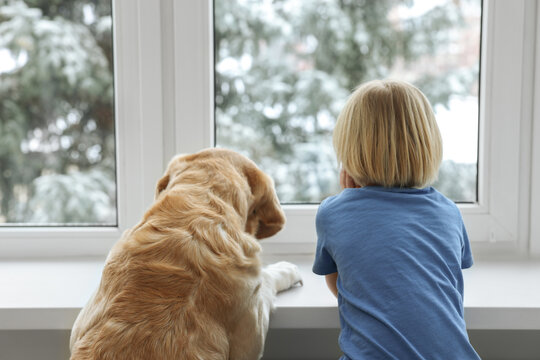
pixel 284 274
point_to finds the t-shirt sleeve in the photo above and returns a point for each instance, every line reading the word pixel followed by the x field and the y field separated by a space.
pixel 324 263
pixel 466 254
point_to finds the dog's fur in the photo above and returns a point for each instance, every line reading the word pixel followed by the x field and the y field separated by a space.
pixel 186 282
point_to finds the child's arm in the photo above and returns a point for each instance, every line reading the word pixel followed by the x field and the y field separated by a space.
pixel 345 181
pixel 331 282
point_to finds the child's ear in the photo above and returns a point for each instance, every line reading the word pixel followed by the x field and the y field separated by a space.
pixel 346 181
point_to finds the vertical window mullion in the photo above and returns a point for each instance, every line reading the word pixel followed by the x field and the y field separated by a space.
pixel 193 56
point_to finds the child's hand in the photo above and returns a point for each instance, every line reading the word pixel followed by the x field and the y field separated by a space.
pixel 346 181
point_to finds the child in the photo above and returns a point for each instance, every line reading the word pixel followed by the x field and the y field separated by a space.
pixel 391 247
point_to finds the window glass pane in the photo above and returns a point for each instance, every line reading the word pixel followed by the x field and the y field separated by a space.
pixel 57 143
pixel 283 70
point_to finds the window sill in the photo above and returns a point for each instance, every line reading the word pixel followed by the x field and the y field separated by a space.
pixel 50 294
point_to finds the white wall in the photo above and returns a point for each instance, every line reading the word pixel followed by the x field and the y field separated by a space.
pixel 281 344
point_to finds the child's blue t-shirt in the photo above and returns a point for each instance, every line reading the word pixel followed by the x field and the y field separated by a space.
pixel 399 254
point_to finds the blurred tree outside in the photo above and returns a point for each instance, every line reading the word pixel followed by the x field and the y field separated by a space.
pixel 284 69
pixel 57 144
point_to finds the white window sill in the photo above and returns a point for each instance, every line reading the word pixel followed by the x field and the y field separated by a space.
pixel 50 294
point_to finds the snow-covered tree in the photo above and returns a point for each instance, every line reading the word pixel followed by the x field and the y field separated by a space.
pixel 56 110
pixel 284 68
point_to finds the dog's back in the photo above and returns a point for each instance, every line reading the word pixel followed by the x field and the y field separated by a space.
pixel 172 299
pixel 177 284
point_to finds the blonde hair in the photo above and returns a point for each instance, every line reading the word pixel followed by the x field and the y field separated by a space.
pixel 387 135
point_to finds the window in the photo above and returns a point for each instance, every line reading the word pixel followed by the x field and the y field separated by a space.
pixel 497 213
pixel 164 104
pixel 138 144
pixel 284 69
pixel 57 143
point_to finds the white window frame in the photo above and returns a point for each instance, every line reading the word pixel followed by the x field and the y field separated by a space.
pixel 139 138
pixel 535 161
pixel 164 105
pixel 499 223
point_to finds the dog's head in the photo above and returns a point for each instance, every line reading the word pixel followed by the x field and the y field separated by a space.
pixel 233 178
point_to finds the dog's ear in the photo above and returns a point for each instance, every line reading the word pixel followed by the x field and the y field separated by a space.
pixel 162 185
pixel 266 216
pixel 174 167
pixel 271 217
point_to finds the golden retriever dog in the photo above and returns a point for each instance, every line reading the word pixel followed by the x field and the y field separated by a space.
pixel 187 281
